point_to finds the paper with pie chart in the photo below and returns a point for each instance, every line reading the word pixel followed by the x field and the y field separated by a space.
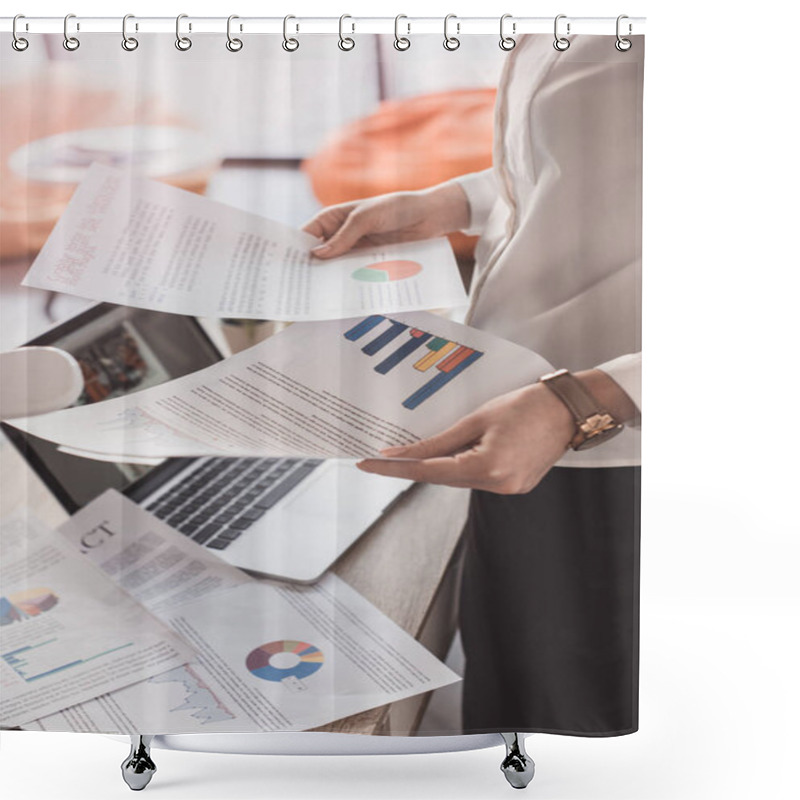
pixel 68 632
pixel 138 242
pixel 265 655
pixel 300 657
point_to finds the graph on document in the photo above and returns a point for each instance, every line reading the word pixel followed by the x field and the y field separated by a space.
pixel 395 342
pixel 40 660
pixel 26 604
pixel 197 696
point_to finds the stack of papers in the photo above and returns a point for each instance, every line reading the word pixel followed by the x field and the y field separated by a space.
pixel 67 631
pixel 120 624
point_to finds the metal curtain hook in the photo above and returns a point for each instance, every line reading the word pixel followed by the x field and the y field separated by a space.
pixel 401 42
pixel 560 43
pixel 507 42
pixel 290 44
pixel 346 42
pixel 451 42
pixel 623 45
pixel 17 41
pixel 233 44
pixel 70 42
pixel 182 42
pixel 129 43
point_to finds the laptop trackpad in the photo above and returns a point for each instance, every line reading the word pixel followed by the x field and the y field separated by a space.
pixel 302 536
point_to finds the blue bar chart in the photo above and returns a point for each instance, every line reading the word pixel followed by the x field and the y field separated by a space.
pixel 37 661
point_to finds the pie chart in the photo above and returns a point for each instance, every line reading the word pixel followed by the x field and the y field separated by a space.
pixel 385 271
pixel 284 658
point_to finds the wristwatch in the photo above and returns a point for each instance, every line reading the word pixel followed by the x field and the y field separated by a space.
pixel 594 425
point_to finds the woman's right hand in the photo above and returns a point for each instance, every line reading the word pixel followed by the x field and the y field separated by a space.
pixel 390 218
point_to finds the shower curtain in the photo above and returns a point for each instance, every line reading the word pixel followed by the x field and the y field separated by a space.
pixel 497 587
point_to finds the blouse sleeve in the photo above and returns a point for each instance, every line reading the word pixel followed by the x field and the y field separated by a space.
pixel 481 192
pixel 626 371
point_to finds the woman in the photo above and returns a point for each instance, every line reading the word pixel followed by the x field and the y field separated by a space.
pixel 550 590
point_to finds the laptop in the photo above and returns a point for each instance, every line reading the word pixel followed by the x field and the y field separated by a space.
pixel 285 518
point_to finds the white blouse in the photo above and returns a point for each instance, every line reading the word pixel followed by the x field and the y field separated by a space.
pixel 558 264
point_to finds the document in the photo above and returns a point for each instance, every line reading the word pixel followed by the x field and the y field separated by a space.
pixel 334 389
pixel 138 242
pixel 270 656
pixel 67 631
pixel 147 558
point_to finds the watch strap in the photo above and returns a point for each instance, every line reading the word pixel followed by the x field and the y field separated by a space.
pixel 593 423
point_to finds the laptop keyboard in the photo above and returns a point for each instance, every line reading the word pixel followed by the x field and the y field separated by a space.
pixel 218 502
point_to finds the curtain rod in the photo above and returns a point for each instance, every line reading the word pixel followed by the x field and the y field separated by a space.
pixel 407 25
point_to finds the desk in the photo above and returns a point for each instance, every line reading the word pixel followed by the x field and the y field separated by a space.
pixel 407 565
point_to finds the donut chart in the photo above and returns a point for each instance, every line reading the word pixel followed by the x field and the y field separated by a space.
pixel 308 659
pixel 385 271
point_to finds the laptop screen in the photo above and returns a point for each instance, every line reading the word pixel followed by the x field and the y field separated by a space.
pixel 120 350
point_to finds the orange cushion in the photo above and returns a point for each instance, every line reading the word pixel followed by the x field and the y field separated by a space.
pixel 407 144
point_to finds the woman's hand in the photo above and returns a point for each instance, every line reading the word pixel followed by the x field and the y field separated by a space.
pixel 390 218
pixel 507 445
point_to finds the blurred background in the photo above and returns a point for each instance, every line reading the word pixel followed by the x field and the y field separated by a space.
pixel 278 134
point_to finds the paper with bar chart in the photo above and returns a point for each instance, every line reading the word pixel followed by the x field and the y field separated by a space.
pixel 67 631
pixel 163 569
pixel 336 389
pixel 268 655
pixel 139 242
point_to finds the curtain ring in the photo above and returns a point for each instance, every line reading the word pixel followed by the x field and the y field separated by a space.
pixel 346 43
pixel 560 43
pixel 289 44
pixel 183 43
pixel 401 42
pixel 623 45
pixel 70 43
pixel 451 42
pixel 17 41
pixel 233 44
pixel 507 42
pixel 129 43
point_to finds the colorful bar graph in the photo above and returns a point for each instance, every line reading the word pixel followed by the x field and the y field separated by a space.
pixel 384 338
pixel 365 326
pixel 442 379
pixel 427 361
pixel 403 351
pixel 450 358
pixel 452 361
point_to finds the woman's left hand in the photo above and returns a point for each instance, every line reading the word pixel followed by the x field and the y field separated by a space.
pixel 505 446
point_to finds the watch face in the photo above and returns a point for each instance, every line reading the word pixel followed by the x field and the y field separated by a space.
pixel 599 437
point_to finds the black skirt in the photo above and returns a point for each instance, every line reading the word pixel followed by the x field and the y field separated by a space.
pixel 549 606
